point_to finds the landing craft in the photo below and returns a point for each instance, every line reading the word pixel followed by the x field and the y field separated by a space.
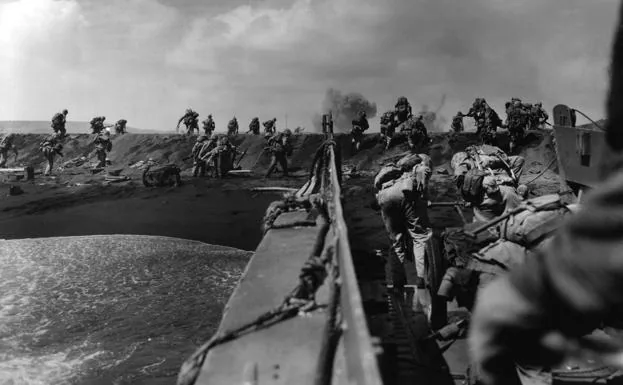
pixel 579 150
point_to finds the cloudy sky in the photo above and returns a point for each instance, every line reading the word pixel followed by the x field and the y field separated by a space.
pixel 148 60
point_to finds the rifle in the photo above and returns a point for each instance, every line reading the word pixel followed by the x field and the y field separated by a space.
pixel 533 205
pixel 446 204
pixel 241 157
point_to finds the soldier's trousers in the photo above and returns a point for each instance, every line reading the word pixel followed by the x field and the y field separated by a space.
pixel 101 158
pixel 199 168
pixel 4 157
pixel 406 231
pixel 278 158
pixel 516 164
pixel 49 156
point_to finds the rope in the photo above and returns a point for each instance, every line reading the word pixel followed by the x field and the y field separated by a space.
pixel 591 120
pixel 313 273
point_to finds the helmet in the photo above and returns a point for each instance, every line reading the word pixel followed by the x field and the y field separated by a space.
pixel 362 113
pixel 209 116
pixel 287 132
pixel 539 104
pixel 65 112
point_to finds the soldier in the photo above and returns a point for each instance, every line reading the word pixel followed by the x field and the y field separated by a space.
pixel 58 122
pixel 120 126
pixel 360 125
pixel 516 122
pixel 491 123
pixel 532 315
pixel 279 148
pixel 417 134
pixel 103 145
pixel 191 121
pixel 199 164
pixel 540 116
pixel 404 209
pixel 97 124
pixel 7 144
pixel 254 126
pixel 270 127
pixel 457 123
pixel 477 112
pixel 232 127
pixel 208 126
pixel 222 156
pixel 50 148
pixel 403 110
pixel 388 128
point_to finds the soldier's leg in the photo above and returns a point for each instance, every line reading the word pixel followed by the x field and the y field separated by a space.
pixel 516 164
pixel 50 158
pixel 195 169
pixel 273 165
pixel 419 235
pixel 283 162
pixel 3 158
pixel 395 231
pixel 202 168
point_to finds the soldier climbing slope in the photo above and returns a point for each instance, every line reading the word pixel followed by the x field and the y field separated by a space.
pixel 404 209
pixel 50 148
pixel 120 126
pixel 477 112
pixel 221 156
pixel 279 148
pixel 517 121
pixel 199 164
pixel 103 145
pixel 6 144
pixel 457 123
pixel 254 126
pixel 270 127
pixel 232 127
pixel 208 126
pixel 191 121
pixel 97 124
pixel 538 312
pixel 417 134
pixel 538 116
pixel 360 125
pixel 58 123
pixel 388 128
pixel 490 125
pixel 403 110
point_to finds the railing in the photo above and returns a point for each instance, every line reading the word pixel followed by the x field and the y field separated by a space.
pixel 359 349
pixel 360 352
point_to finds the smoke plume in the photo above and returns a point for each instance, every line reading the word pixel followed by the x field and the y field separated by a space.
pixel 344 108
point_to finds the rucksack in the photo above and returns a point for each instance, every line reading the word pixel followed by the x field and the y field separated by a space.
pixel 471 186
pixel 57 120
pixel 386 174
pixel 528 228
pixel 407 162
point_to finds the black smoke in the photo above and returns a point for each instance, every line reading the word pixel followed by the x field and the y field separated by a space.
pixel 344 108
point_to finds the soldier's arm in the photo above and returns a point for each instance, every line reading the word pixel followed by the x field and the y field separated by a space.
pixel 568 287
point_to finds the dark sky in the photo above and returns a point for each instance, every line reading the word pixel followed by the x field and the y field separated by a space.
pixel 147 60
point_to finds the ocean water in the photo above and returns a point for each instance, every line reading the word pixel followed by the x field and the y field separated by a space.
pixel 114 309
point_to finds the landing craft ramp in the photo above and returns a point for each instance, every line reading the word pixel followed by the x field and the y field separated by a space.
pixel 321 333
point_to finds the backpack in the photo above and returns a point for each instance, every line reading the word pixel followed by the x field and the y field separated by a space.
pixel 57 120
pixel 386 174
pixel 471 186
pixel 396 191
pixel 407 162
pixel 529 228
